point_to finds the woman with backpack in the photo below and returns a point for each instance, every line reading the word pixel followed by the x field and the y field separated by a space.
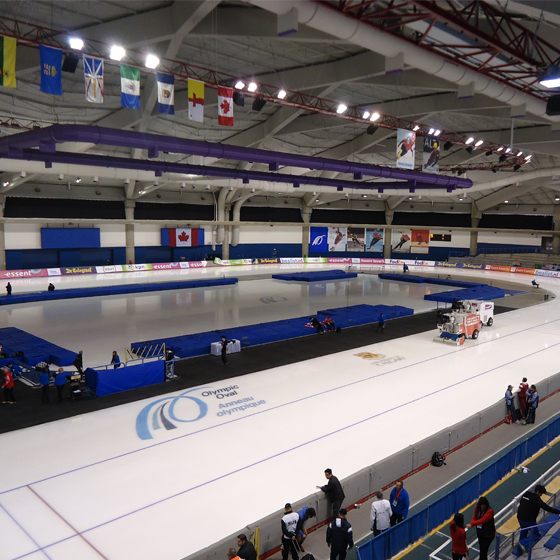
pixel 459 549
pixel 483 520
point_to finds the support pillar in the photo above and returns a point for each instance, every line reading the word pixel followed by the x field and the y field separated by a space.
pixel 305 231
pixel 556 228
pixel 387 232
pixel 226 229
pixel 129 206
pixel 2 235
pixel 476 214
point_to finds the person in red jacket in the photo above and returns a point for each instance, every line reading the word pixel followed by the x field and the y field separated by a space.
pixel 8 387
pixel 459 549
pixel 522 394
pixel 483 520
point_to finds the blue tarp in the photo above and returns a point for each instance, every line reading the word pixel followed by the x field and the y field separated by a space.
pixel 317 276
pixel 129 377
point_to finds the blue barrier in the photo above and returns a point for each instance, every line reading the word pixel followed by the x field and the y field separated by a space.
pixel 114 290
pixel 417 526
pixel 187 346
pixel 34 348
pixel 316 276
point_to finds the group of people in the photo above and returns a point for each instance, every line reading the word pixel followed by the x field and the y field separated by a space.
pixel 387 513
pixel 528 402
pixel 50 288
pixel 321 326
pixel 483 519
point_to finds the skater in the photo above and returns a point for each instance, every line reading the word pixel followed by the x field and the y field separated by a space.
pixel 316 324
pixel 224 350
pixel 8 289
pixel 380 324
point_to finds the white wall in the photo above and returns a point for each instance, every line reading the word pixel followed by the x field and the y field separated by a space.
pixel 112 235
pixel 22 236
pixel 509 238
pixel 267 234
pixel 147 235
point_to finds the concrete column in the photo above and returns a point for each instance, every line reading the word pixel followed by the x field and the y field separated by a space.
pixel 387 234
pixel 2 236
pixel 476 214
pixel 556 228
pixel 305 231
pixel 225 242
pixel 129 206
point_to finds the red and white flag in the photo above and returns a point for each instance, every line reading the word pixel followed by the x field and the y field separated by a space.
pixel 185 237
pixel 225 106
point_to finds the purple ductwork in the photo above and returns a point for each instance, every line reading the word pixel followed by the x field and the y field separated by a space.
pixel 46 139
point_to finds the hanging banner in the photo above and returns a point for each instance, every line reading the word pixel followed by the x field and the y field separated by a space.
pixel 430 154
pixel 337 238
pixel 356 239
pixel 420 242
pixel 405 148
pixel 318 240
pixel 374 240
pixel 401 241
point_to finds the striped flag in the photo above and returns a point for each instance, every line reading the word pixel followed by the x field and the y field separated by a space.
pixel 93 75
pixel 8 62
pixel 225 106
pixel 130 87
pixel 166 93
pixel 196 100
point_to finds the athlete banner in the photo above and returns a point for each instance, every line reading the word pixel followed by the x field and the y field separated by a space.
pixel 406 140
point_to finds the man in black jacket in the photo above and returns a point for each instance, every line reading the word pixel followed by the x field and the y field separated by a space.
pixel 527 512
pixel 339 536
pixel 246 548
pixel 334 492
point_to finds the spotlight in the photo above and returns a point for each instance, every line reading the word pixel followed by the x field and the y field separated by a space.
pixel 372 129
pixel 479 143
pixel 117 53
pixel 517 167
pixel 366 115
pixel 258 104
pixel 253 190
pixel 374 117
pixel 23 174
pixel 96 179
pixel 341 109
pixel 281 94
pixel 152 61
pixel 448 145
pixel 252 87
pixel 416 128
pixel 502 158
pixel 506 201
pixel 61 177
pixel 551 77
pixel 437 132
pixel 364 195
pixel 500 149
pixel 239 85
pixel 508 150
pixel 431 131
pixel 78 180
pixel 528 157
pixel 127 181
pixel 519 153
pixel 469 140
pixel 5 183
pixel 76 43
pixel 238 99
pixel 557 199
pixel 183 185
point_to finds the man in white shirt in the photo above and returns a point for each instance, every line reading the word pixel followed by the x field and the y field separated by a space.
pixel 289 526
pixel 380 516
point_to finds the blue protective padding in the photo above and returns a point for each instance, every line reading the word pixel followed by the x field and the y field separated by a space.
pixel 91 378
pixel 114 290
pixel 482 293
pixel 428 280
pixel 70 238
pixel 34 348
pixel 187 346
pixel 132 377
pixel 317 276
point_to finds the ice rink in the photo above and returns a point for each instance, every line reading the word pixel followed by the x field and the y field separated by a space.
pixel 122 484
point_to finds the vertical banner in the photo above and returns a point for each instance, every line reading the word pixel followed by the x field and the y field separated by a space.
pixel 93 76
pixel 420 242
pixel 318 240
pixel 8 61
pixel 337 238
pixel 401 241
pixel 405 148
pixel 166 93
pixel 196 100
pixel 430 154
pixel 356 239
pixel 225 106
pixel 374 240
pixel 51 70
pixel 130 87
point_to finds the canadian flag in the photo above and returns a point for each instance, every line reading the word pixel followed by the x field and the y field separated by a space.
pixel 225 106
pixel 185 237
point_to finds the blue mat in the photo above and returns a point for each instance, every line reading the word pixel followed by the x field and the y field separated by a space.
pixel 113 290
pixel 317 276
pixel 198 344
pixel 34 348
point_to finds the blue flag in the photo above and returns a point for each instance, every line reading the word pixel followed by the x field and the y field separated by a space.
pixel 51 70
pixel 318 240
pixel 166 93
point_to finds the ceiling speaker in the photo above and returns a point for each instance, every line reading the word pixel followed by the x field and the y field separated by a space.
pixel 258 103
pixel 238 99
pixel 70 62
pixel 553 106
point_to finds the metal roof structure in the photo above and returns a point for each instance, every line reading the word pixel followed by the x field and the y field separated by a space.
pixel 467 68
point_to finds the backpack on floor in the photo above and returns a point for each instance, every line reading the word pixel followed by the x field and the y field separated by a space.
pixel 438 460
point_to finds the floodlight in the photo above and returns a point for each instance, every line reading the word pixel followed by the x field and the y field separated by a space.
pixel 469 140
pixel 479 143
pixel 432 130
pixel 437 132
pixel 76 43
pixel 341 108
pixel 239 85
pixel 252 87
pixel 281 94
pixel 374 117
pixel 366 115
pixel 416 128
pixel 152 61
pixel 117 53
pixel 551 77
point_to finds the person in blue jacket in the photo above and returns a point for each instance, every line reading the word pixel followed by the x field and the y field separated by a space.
pixel 115 359
pixel 380 323
pixel 400 502
pixel 532 404
pixel 59 382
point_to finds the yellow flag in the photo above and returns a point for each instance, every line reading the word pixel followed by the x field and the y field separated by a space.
pixel 8 61
pixel 196 100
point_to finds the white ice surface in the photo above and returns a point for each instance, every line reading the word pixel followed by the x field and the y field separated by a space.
pixel 89 487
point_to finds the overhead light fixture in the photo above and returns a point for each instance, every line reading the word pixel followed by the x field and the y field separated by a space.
pixel 78 180
pixel 281 94
pixel 469 140
pixel 502 158
pixel 366 115
pixel 239 85
pixel 364 195
pixel 117 53
pixel 557 199
pixel 95 179
pixel 432 130
pixel 528 158
pixel 374 117
pixel 460 199
pixel 416 128
pixel 341 109
pixel 550 77
pixel 508 150
pixel 448 145
pixel 152 61
pixel 183 185
pixel 506 201
pixel 76 43
pixel 437 132
pixel 479 143
pixel 409 198
pixel 252 87
pixel 5 183
pixel 519 153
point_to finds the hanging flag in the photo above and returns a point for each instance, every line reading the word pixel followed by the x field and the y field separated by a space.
pixel 166 93
pixel 51 70
pixel 430 154
pixel 406 141
pixel 8 61
pixel 196 100
pixel 93 74
pixel 130 87
pixel 225 106
pixel 184 237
